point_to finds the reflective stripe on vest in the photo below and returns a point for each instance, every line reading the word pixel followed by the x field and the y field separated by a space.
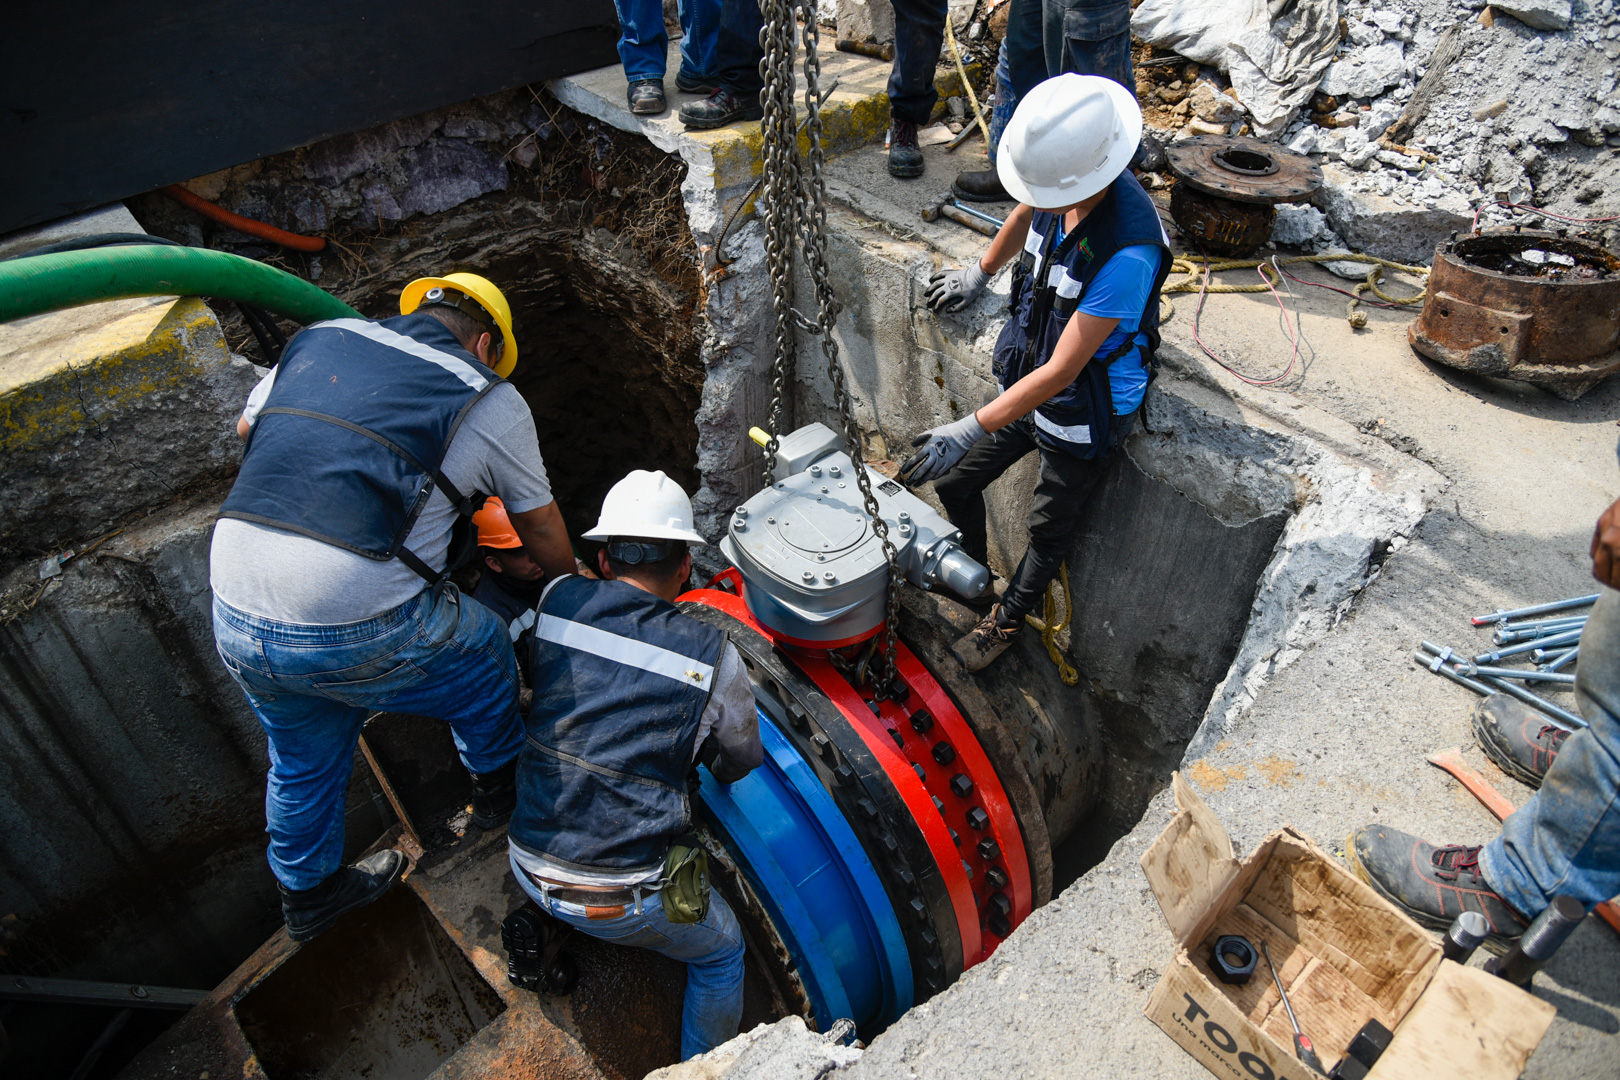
pixel 623 650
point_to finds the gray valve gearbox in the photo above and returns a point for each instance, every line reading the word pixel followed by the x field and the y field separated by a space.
pixel 813 565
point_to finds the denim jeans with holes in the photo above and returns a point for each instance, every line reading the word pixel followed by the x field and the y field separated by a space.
pixel 712 951
pixel 1566 840
pixel 312 688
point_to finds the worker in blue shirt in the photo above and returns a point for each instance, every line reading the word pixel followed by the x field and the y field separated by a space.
pixel 1074 359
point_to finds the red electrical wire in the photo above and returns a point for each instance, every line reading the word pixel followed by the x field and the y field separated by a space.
pixel 240 223
pixel 1203 290
pixel 1334 288
pixel 1527 208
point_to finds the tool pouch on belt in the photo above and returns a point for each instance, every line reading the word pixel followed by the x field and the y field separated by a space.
pixel 685 891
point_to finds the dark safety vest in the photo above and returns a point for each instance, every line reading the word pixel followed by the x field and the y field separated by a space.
pixel 1047 285
pixel 348 445
pixel 621 679
pixel 514 607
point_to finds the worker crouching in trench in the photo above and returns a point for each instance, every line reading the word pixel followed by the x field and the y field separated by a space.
pixel 1075 358
pixel 629 695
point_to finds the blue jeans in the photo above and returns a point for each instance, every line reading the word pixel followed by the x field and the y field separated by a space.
pixel 312 688
pixel 1566 840
pixel 712 950
pixel 644 43
pixel 1088 37
pixel 1020 65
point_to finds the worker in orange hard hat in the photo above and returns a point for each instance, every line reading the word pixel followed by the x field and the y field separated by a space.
pixel 510 580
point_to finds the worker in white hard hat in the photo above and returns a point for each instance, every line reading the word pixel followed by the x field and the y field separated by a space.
pixel 630 695
pixel 369 448
pixel 1075 358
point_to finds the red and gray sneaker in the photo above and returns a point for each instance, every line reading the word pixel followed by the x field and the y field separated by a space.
pixel 1431 884
pixel 1519 739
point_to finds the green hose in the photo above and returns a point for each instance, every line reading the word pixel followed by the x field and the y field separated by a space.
pixel 33 285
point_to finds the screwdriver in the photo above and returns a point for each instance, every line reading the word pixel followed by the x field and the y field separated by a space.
pixel 1302 1042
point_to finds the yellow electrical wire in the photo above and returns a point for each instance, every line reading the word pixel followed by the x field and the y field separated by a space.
pixel 1051 626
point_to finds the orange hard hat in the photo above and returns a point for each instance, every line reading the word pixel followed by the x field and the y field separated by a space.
pixel 494 527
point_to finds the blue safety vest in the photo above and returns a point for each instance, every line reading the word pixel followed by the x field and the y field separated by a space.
pixel 348 445
pixel 621 679
pixel 1048 282
pixel 514 607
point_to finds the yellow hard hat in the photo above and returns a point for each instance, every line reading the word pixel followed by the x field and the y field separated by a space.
pixel 487 296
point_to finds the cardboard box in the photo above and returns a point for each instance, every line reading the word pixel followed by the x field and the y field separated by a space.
pixel 1344 953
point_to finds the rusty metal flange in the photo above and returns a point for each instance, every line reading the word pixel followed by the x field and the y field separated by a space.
pixel 1562 333
pixel 1243 170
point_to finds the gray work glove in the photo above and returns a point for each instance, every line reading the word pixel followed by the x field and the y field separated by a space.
pixel 945 446
pixel 953 290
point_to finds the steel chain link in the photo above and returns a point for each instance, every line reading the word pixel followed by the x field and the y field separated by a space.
pixel 795 203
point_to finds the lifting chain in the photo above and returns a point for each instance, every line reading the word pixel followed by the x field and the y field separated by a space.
pixel 794 202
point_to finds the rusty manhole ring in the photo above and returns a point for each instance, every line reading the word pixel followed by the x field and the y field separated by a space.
pixel 1243 170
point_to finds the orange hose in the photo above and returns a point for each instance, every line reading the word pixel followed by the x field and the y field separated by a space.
pixel 242 224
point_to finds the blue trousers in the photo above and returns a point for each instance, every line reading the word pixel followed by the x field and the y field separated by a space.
pixel 1088 37
pixel 644 43
pixel 312 688
pixel 712 951
pixel 1566 839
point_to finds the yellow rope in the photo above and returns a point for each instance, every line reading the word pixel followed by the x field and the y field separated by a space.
pixel 950 38
pixel 1051 626
pixel 1194 269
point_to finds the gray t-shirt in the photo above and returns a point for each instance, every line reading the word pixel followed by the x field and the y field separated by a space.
pixel 279 575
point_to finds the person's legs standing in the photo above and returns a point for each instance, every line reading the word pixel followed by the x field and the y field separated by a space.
pixel 1089 37
pixel 1566 839
pixel 737 57
pixel 700 37
pixel 712 951
pixel 1061 493
pixel 1020 67
pixel 644 51
pixel 919 31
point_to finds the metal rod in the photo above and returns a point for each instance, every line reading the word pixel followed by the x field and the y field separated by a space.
pixel 1570 637
pixel 1515 673
pixel 1538 609
pixel 1565 620
pixel 980 214
pixel 1563 660
pixel 1508 637
pixel 87 1064
pixel 1437 665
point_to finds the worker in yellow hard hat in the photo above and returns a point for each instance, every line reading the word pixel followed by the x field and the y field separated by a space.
pixel 509 580
pixel 366 446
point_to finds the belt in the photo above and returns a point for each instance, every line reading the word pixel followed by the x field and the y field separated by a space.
pixel 604 903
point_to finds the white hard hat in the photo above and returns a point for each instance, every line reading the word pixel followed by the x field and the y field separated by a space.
pixel 1069 138
pixel 647 504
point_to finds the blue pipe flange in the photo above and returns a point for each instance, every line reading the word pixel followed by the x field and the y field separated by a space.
pixel 818 887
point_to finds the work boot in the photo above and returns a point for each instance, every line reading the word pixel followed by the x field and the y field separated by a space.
pixel 719 109
pixel 647 97
pixel 1431 884
pixel 309 912
pixel 986 641
pixel 532 940
pixel 494 795
pixel 1520 740
pixel 905 157
pixel 695 84
pixel 981 186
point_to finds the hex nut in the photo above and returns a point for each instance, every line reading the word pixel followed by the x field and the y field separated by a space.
pixel 944 752
pixel 1232 959
pixel 961 785
pixel 978 819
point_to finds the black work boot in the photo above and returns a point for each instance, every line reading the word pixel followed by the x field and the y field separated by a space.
pixel 494 795
pixel 719 109
pixel 532 940
pixel 905 157
pixel 695 84
pixel 1431 884
pixel 993 636
pixel 1520 740
pixel 646 97
pixel 313 911
pixel 981 186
